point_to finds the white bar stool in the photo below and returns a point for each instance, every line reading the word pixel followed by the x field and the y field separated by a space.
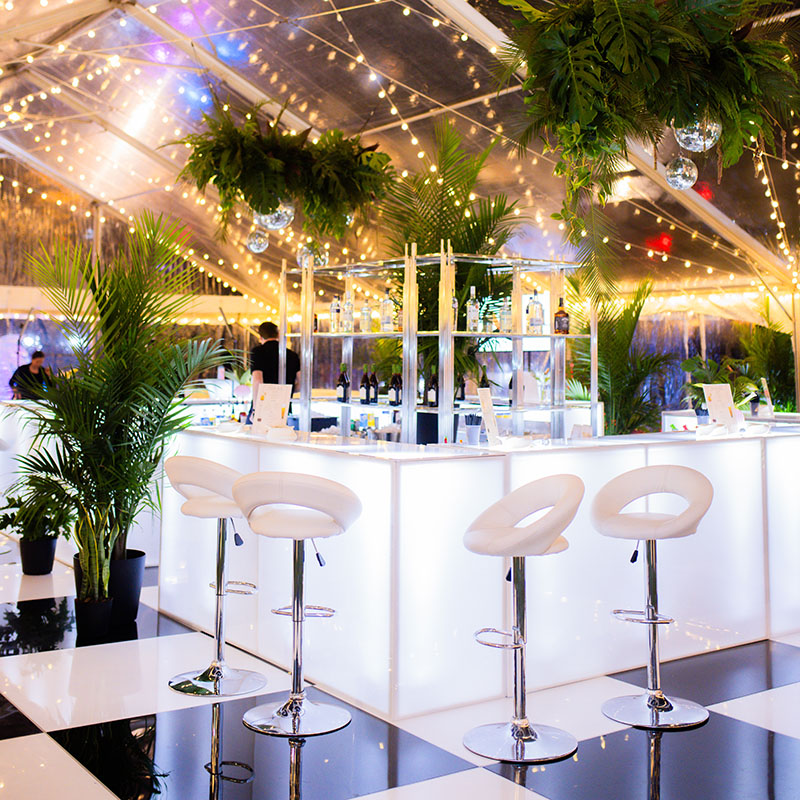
pixel 207 488
pixel 497 532
pixel 653 709
pixel 287 505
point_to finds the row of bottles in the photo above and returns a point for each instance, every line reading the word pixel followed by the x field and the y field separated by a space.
pixel 342 319
pixel 369 388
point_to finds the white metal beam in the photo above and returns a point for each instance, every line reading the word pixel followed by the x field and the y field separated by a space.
pixel 196 51
pixel 56 18
pixel 479 28
pixel 71 99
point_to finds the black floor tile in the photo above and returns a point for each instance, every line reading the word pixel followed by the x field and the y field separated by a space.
pixel 33 626
pixel 725 674
pixel 13 722
pixel 723 760
pixel 367 756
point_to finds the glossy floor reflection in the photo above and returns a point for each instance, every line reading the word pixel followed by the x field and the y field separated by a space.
pixel 34 626
pixel 723 760
pixel 170 751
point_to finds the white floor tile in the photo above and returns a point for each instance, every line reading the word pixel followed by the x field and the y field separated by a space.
pixel 16 586
pixel 472 784
pixel 36 767
pixel 574 707
pixel 775 709
pixel 66 688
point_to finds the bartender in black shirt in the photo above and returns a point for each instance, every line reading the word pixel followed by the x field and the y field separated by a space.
pixel 28 379
pixel 264 359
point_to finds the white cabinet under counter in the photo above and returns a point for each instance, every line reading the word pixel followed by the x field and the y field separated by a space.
pixel 409 596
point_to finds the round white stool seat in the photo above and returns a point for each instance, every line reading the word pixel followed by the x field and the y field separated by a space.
pixel 207 487
pixel 290 505
pixel 497 531
pixel 610 520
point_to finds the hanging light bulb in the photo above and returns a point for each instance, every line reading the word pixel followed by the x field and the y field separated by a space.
pixel 700 136
pixel 681 173
pixel 258 241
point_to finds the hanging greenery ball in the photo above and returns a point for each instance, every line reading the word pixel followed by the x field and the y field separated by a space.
pixel 681 173
pixel 258 241
pixel 280 218
pixel 312 251
pixel 700 136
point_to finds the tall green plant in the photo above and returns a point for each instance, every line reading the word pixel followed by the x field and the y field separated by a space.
pixel 623 368
pixel 440 202
pixel 102 429
pixel 769 351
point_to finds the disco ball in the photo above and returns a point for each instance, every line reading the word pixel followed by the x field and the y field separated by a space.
pixel 699 136
pixel 319 254
pixel 275 220
pixel 681 173
pixel 258 241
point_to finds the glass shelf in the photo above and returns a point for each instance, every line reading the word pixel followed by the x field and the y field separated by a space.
pixel 359 335
pixel 498 335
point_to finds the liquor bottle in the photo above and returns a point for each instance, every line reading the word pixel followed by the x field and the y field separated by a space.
pixel 365 317
pixel 373 384
pixel 432 393
pixel 473 312
pixel 336 314
pixel 363 388
pixel 347 314
pixel 455 311
pixel 535 315
pixel 316 324
pixel 506 316
pixel 561 319
pixel 387 313
pixel 343 386
pixel 484 381
pixel 396 388
pixel 461 390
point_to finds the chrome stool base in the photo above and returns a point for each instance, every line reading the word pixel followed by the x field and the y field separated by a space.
pixel 646 711
pixel 504 742
pixel 218 680
pixel 296 718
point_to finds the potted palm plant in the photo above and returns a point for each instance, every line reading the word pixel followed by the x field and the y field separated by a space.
pixel 102 428
pixel 733 371
pixel 38 532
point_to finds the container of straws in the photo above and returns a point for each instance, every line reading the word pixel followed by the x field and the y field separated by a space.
pixel 472 423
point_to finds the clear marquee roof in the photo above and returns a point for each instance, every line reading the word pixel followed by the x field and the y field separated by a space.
pixel 93 93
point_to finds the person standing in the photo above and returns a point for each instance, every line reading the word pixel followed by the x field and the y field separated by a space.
pixel 28 380
pixel 264 359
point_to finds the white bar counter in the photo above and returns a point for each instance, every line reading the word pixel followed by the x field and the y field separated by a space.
pixel 409 596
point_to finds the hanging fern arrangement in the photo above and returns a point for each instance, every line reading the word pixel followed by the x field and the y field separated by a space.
pixel 274 171
pixel 598 72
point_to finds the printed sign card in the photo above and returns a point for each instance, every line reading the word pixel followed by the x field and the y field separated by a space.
pixel 489 417
pixel 271 406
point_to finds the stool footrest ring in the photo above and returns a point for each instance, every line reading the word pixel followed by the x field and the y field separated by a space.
pixel 308 611
pixel 249 772
pixel 641 617
pixel 249 588
pixel 496 632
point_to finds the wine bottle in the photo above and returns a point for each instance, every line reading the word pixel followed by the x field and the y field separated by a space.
pixel 535 315
pixel 374 386
pixel 347 314
pixel 336 314
pixel 363 389
pixel 561 319
pixel 396 388
pixel 365 317
pixel 432 393
pixel 473 312
pixel 343 386
pixel 484 381
pixel 461 390
pixel 387 313
pixel 316 324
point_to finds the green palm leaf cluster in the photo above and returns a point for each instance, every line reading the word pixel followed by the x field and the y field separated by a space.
pixel 330 178
pixel 439 203
pixel 103 427
pixel 770 353
pixel 623 368
pixel 601 71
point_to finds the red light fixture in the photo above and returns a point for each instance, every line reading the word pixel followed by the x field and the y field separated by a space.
pixel 704 190
pixel 661 243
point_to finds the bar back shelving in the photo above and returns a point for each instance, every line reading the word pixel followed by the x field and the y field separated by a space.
pixel 551 272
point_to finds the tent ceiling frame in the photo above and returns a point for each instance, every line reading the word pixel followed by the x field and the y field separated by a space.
pixel 57 17
pixel 483 31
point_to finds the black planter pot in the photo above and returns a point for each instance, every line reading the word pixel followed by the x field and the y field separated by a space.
pixel 428 427
pixel 93 621
pixel 124 586
pixel 37 556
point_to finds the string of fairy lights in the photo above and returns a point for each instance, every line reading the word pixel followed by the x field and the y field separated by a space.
pixel 386 86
